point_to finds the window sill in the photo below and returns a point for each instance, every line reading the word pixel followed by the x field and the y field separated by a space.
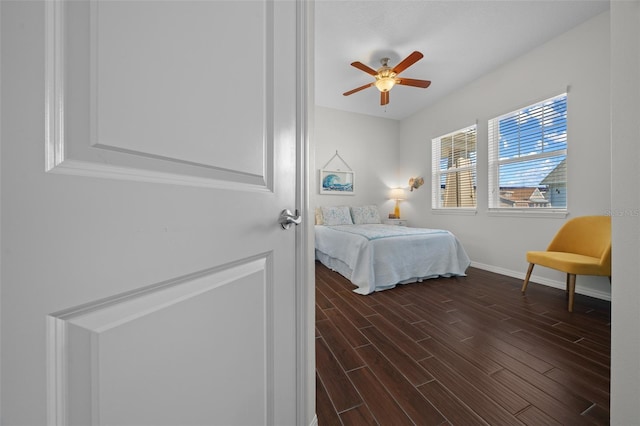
pixel 455 211
pixel 560 214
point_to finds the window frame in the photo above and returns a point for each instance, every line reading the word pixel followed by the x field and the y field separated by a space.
pixel 494 163
pixel 437 173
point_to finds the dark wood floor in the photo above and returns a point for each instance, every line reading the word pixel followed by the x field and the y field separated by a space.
pixel 461 351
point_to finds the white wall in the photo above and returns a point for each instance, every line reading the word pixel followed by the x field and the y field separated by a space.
pixel 625 203
pixel 369 145
pixel 579 59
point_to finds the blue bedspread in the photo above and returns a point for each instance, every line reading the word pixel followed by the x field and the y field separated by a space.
pixel 377 257
pixel 376 231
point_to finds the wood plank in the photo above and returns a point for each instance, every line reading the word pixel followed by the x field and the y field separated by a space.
pixel 401 340
pixel 582 387
pixel 543 401
pixel 352 315
pixel 483 382
pixel 394 299
pixel 346 327
pixel 478 401
pixel 324 407
pixel 356 303
pixel 403 320
pixel 322 301
pixel 405 364
pixel 323 288
pixel 339 346
pixel 445 347
pixel 532 416
pixel 407 396
pixel 566 354
pixel 601 348
pixel 472 313
pixel 497 342
pixel 600 338
pixel 384 408
pixel 553 389
pixel 359 415
pixel 341 392
pixel 332 282
pixel 456 411
pixel 441 324
pixel 320 313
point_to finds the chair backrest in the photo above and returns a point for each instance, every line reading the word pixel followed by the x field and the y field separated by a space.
pixel 586 235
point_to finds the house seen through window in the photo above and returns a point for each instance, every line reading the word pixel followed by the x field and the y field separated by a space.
pixel 454 169
pixel 528 157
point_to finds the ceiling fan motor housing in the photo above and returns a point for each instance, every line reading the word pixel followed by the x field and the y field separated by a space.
pixel 385 79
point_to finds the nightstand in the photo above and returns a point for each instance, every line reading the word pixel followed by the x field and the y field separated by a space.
pixel 398 222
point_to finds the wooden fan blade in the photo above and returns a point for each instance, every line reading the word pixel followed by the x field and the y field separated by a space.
pixel 351 92
pixel 384 98
pixel 407 62
pixel 363 67
pixel 412 82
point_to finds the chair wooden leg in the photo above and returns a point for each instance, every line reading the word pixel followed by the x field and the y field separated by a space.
pixel 572 290
pixel 566 289
pixel 526 279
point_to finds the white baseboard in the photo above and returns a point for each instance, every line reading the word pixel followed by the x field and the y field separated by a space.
pixel 541 280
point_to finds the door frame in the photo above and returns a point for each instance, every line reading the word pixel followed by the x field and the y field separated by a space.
pixel 0 205
pixel 305 269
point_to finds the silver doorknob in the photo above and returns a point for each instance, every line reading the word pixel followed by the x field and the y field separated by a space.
pixel 287 218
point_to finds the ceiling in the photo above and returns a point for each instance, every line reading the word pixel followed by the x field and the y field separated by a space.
pixel 461 41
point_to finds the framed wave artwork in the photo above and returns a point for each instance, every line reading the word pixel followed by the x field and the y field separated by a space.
pixel 337 182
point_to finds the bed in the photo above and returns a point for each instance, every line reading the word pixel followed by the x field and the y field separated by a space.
pixel 375 256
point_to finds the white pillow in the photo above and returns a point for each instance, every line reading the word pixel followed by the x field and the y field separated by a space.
pixel 336 216
pixel 365 214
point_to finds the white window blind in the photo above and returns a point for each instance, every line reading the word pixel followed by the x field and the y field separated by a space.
pixel 528 157
pixel 454 170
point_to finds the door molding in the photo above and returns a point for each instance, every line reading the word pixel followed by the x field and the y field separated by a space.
pixel 76 336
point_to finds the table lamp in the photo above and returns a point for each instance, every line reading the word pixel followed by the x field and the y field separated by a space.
pixel 398 195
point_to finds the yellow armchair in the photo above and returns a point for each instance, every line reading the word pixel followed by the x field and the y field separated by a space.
pixel 582 246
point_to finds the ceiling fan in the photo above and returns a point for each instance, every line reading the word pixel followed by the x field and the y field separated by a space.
pixel 387 77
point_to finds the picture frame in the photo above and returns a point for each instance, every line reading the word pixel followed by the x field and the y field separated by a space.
pixel 337 182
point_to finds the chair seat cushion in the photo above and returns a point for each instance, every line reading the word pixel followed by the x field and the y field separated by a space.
pixel 568 262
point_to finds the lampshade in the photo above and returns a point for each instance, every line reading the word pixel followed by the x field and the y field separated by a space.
pixel 384 84
pixel 397 194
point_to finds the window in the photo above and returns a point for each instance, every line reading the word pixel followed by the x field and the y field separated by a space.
pixel 528 157
pixel 454 169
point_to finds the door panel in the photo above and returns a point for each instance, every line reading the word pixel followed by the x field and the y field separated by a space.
pixel 145 278
pixel 147 357
pixel 174 87
pixel 138 109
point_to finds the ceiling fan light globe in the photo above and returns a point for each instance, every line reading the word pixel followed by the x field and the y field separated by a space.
pixel 385 84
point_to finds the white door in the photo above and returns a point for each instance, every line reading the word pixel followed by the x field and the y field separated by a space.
pixel 148 149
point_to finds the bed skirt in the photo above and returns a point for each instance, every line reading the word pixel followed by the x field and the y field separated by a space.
pixel 343 269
